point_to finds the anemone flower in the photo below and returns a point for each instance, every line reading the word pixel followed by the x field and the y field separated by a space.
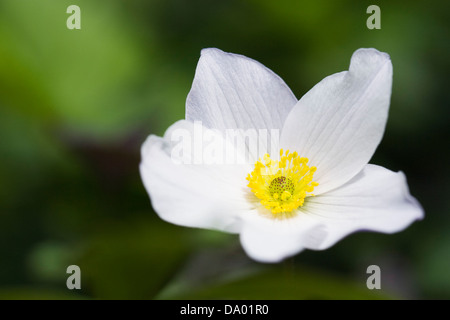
pixel 307 184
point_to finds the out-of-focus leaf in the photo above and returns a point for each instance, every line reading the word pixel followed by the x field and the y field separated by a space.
pixel 49 261
pixel 277 283
pixel 35 293
pixel 96 81
pixel 434 266
pixel 132 261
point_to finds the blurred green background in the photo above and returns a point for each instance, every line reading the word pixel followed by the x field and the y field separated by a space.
pixel 75 106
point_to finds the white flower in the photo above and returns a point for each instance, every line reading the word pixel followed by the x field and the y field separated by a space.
pixel 315 188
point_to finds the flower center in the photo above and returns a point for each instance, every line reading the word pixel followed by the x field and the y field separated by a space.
pixel 282 185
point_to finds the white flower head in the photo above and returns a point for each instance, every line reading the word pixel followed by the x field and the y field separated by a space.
pixel 285 174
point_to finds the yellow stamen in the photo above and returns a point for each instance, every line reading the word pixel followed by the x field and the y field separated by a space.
pixel 282 185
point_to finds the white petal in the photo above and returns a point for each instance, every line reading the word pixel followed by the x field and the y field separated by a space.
pixel 376 199
pixel 195 195
pixel 339 123
pixel 269 240
pixel 231 91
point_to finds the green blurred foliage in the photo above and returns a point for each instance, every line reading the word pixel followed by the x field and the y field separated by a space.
pixel 75 106
pixel 147 253
pixel 285 284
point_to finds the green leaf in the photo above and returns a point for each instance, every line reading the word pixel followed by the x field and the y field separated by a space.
pixel 34 293
pixel 133 260
pixel 92 81
pixel 277 283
